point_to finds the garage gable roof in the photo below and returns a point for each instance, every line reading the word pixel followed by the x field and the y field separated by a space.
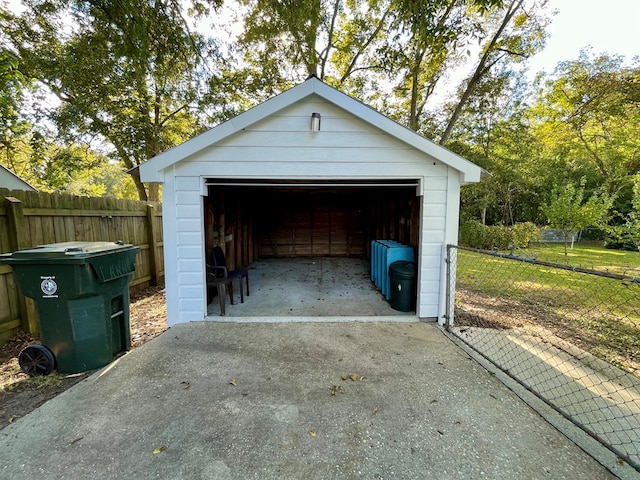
pixel 150 170
pixel 10 180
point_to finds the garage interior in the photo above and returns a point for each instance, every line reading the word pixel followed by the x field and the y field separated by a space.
pixel 308 244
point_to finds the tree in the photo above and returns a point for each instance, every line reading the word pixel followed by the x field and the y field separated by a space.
pixel 569 213
pixel 127 74
pixel 284 36
pixel 591 107
pixel 13 126
pixel 362 46
pixel 518 33
pixel 627 233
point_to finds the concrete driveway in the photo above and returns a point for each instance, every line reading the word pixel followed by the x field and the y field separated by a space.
pixel 292 401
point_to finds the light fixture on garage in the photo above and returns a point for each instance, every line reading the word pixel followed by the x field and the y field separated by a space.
pixel 315 122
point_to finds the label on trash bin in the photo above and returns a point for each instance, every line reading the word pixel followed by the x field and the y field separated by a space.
pixel 49 287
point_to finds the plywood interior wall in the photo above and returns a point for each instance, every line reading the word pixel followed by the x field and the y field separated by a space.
pixel 254 222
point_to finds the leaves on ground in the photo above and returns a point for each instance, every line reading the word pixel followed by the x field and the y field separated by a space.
pixel 335 389
pixel 233 382
pixel 159 449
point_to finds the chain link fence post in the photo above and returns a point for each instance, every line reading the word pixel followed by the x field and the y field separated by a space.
pixel 451 289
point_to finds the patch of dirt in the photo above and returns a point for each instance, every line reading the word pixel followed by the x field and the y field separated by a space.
pixel 20 394
pixel 475 309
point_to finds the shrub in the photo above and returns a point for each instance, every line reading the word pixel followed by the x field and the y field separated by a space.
pixel 472 234
pixel 497 237
pixel 524 234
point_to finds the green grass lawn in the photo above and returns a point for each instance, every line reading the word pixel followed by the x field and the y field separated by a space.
pixel 587 255
pixel 600 314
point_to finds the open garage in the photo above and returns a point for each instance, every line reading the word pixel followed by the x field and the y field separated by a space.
pixel 311 173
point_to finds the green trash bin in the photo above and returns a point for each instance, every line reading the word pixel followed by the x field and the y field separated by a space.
pixel 402 277
pixel 81 292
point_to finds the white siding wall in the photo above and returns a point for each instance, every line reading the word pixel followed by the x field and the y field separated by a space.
pixel 432 235
pixel 283 147
pixel 170 225
pixel 13 182
pixel 184 242
pixel 451 235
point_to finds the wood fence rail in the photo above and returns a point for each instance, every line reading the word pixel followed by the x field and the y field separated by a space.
pixel 28 219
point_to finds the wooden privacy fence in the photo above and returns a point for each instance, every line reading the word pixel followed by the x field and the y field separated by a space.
pixel 28 219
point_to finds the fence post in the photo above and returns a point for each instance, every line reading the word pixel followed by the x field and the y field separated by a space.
pixel 16 223
pixel 152 241
pixel 449 294
pixel 18 240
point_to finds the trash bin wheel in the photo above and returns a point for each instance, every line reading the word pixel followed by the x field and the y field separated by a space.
pixel 36 360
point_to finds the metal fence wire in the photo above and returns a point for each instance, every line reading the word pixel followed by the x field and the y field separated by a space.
pixel 571 336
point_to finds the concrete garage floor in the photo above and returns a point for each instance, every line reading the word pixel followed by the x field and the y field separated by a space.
pixel 310 287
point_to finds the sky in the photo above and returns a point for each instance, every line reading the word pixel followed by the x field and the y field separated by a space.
pixel 611 26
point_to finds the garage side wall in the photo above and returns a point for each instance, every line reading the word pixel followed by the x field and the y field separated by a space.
pixel 184 241
pixel 432 235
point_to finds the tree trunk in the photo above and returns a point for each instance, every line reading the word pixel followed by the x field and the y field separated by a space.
pixel 142 192
pixel 153 191
pixel 415 91
pixel 480 71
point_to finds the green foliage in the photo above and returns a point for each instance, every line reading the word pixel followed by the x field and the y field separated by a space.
pixel 569 212
pixel 524 234
pixel 626 236
pixel 584 124
pixel 127 73
pixel 498 237
pixel 589 112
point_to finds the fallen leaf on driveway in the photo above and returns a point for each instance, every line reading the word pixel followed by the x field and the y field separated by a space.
pixel 159 449
pixel 233 382
pixel 185 384
pixel 336 389
pixel 313 433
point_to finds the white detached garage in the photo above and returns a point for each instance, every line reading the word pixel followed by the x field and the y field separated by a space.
pixel 310 172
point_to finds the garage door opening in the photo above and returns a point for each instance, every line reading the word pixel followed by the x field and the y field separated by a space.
pixel 314 235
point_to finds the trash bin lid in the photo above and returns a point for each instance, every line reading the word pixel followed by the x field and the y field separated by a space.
pixel 74 252
pixel 402 269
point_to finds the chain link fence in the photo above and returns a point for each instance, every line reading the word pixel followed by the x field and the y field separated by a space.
pixel 569 335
